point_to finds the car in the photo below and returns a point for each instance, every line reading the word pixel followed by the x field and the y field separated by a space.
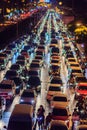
pixel 20 57
pixel 81 90
pixel 55 49
pixel 59 100
pixel 21 118
pixel 34 83
pixel 62 113
pixel 56 80
pixel 75 71
pixel 10 73
pixel 54 40
pixel 16 67
pixel 28 48
pixel 22 63
pixel 57 125
pixel 39 52
pixel 7 89
pixel 28 97
pixel 34 66
pixel 52 90
pixel 78 79
pixel 19 84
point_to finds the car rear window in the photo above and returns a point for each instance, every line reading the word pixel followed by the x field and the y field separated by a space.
pixel 54 89
pixel 27 94
pixel 82 88
pixel 60 112
pixel 60 99
pixel 5 86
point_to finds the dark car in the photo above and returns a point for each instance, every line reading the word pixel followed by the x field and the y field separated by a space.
pixel 33 73
pixel 56 80
pixel 20 57
pixel 10 73
pixel 21 63
pixel 79 79
pixel 34 82
pixel 55 49
pixel 16 67
pixel 19 84
pixel 58 125
pixel 21 118
pixel 28 97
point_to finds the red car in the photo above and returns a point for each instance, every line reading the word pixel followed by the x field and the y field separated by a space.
pixel 81 90
pixel 62 113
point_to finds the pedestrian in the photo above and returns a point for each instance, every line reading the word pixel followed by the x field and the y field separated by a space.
pixel 40 116
pixel 48 120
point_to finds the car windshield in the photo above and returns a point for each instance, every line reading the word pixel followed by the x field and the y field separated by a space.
pixel 60 112
pixel 32 73
pixel 81 79
pixel 54 61
pixel 41 47
pixel 34 65
pixel 76 71
pixel 59 127
pixel 15 67
pixel 73 60
pixel 64 99
pixel 38 57
pixel 5 86
pixel 20 58
pixel 27 94
pixel 17 80
pixel 21 62
pixel 82 88
pixel 11 73
pixel 56 81
pixel 54 88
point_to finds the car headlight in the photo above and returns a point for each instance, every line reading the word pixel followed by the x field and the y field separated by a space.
pixel 22 100
pixel 77 94
pixel 32 101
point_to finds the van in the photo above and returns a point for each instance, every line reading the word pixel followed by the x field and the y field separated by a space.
pixel 7 89
pixel 21 118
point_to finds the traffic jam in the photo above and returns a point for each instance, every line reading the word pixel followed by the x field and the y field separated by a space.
pixel 42 81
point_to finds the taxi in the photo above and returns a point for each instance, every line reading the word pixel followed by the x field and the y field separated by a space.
pixel 60 100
